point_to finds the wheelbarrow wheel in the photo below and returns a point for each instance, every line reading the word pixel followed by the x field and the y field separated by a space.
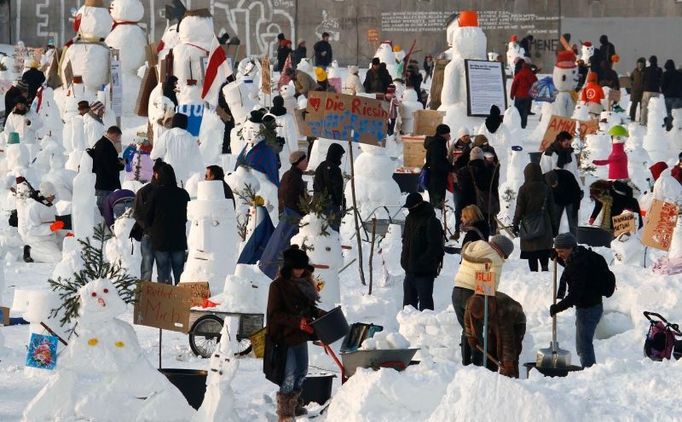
pixel 243 346
pixel 204 335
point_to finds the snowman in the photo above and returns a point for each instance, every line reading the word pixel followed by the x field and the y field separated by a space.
pixel 241 97
pixel 105 364
pixel 130 40
pixel 88 56
pixel 245 291
pixel 586 52
pixel 617 161
pixel 627 249
pixel 212 236
pixel 84 200
pixel 121 249
pixel 333 70
pixel 391 247
pixel 467 41
pixel 514 52
pixel 675 133
pixel 565 77
pixel 597 147
pixel 512 122
pixel 408 106
pixel 288 93
pixel 655 131
pixel 386 55
pixel 45 107
pixel 323 246
pixel 219 400
pixel 286 130
pixel 242 181
pixel 60 177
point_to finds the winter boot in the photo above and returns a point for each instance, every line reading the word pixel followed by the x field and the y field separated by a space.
pixel 27 254
pixel 286 404
pixel 299 409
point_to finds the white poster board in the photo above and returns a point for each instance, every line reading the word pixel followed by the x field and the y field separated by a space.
pixel 485 87
pixel 116 86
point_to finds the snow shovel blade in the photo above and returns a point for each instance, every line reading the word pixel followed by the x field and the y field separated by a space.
pixel 553 357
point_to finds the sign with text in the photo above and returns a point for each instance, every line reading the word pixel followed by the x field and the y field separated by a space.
pixel 559 124
pixel 116 85
pixel 659 225
pixel 624 223
pixel 163 306
pixel 587 127
pixel 335 116
pixel 200 291
pixel 426 121
pixel 266 82
pixel 413 151
pixel 485 283
pixel 485 87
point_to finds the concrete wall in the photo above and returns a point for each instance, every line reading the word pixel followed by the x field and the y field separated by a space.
pixel 638 27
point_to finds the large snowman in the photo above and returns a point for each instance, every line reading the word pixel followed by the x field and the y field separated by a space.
pixel 565 77
pixel 386 55
pixel 467 41
pixel 212 236
pixel 130 41
pixel 105 364
pixel 586 52
pixel 88 56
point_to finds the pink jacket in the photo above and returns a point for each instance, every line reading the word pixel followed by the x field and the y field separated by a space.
pixel 617 162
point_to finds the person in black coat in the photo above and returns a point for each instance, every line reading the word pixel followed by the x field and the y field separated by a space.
pixel 438 164
pixel 34 78
pixel 567 195
pixel 583 274
pixel 301 52
pixel 282 53
pixel 606 51
pixel 140 207
pixel 478 177
pixel 375 80
pixel 328 182
pixel 12 96
pixel 166 218
pixel 652 87
pixel 106 164
pixel 323 52
pixel 422 253
pixel 671 86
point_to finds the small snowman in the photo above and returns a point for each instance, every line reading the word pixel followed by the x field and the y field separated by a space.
pixel 586 52
pixel 386 55
pixel 84 199
pixel 565 77
pixel 655 131
pixel 409 104
pixel 122 249
pixel 514 52
pixel 617 161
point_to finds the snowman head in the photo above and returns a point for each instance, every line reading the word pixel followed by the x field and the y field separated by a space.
pixel 305 66
pixel 252 128
pixel 99 301
pixel 586 51
pixel 385 52
pixel 95 23
pixel 122 227
pixel 288 90
pixel 197 28
pixel 470 42
pixel 126 10
pixel 565 75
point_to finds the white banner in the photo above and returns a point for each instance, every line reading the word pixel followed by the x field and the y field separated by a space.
pixel 116 87
pixel 485 87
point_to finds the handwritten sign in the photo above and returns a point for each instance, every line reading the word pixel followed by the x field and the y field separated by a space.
pixel 200 291
pixel 587 127
pixel 485 283
pixel 163 306
pixel 556 125
pixel 413 151
pixel 335 116
pixel 659 225
pixel 624 223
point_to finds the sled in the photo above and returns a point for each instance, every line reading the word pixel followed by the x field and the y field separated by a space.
pixel 204 334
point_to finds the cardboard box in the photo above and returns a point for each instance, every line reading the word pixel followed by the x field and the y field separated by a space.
pixel 426 121
pixel 659 225
pixel 199 291
pixel 413 151
pixel 163 306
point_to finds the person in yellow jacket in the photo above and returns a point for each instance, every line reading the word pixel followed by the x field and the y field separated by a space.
pixel 477 256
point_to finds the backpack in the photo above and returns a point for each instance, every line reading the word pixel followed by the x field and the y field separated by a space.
pixel 607 280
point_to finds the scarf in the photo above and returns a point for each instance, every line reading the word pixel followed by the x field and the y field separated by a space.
pixel 565 156
pixel 607 202
pixel 307 288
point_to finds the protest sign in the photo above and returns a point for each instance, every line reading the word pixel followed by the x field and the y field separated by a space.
pixel 556 124
pixel 163 306
pixel 199 291
pixel 587 127
pixel 659 225
pixel 624 223
pixel 426 121
pixel 266 82
pixel 485 283
pixel 195 114
pixel 42 352
pixel 485 87
pixel 413 151
pixel 335 116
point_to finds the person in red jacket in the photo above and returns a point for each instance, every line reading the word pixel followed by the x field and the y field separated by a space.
pixel 592 94
pixel 520 91
pixel 676 171
pixel 618 159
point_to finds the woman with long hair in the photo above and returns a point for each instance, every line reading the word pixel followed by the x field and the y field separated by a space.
pixel 474 225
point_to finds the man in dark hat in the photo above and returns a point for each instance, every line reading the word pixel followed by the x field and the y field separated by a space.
pixel 437 163
pixel 375 81
pixel 422 253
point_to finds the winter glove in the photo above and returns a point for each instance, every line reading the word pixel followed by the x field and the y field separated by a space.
pixel 508 369
pixel 553 310
pixel 56 226
pixel 304 326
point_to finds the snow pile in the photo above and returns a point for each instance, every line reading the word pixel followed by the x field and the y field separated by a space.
pixel 436 334
pixel 245 291
pixel 384 340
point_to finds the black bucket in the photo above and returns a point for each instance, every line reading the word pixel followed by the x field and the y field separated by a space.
pixel 408 182
pixel 190 382
pixel 317 388
pixel 594 236
pixel 331 327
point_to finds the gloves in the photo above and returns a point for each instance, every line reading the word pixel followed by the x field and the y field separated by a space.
pixel 472 342
pixel 508 369
pixel 553 310
pixel 56 226
pixel 304 326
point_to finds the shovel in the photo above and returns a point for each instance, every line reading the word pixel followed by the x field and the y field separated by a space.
pixel 553 356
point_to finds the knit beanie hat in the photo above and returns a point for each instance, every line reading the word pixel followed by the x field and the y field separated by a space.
pixel 565 241
pixel 476 154
pixel 502 244
pixel 96 106
pixel 463 132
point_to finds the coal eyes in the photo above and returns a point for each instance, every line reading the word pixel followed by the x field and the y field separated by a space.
pixel 93 294
pixel 106 290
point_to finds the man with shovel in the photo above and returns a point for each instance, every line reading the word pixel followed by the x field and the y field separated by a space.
pixel 586 272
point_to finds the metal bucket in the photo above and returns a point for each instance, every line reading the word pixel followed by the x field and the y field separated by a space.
pixel 394 358
pixel 594 236
pixel 331 327
pixel 190 382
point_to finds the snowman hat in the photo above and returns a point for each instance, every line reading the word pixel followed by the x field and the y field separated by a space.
pixel 587 43
pixel 565 60
pixel 517 148
pixel 618 131
pixel 94 3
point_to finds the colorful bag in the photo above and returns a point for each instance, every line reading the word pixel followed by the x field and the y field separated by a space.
pixel 544 90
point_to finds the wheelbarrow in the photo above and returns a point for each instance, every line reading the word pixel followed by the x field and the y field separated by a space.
pixel 204 334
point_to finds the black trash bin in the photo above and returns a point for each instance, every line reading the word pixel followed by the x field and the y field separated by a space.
pixel 317 388
pixel 190 382
pixel 331 327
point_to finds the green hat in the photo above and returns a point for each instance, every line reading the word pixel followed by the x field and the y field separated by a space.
pixel 13 138
pixel 618 130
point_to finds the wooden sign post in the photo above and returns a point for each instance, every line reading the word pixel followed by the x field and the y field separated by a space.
pixel 485 285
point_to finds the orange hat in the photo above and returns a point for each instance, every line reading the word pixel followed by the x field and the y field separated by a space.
pixel 467 18
pixel 592 77
pixel 565 60
pixel 514 38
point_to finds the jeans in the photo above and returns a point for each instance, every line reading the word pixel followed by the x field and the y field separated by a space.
pixel 670 104
pixel 523 106
pixel 418 291
pixel 633 108
pixel 571 215
pixel 147 252
pixel 586 320
pixel 644 111
pixel 101 196
pixel 295 369
pixel 165 260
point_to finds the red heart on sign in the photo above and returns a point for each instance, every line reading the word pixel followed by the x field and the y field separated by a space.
pixel 314 103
